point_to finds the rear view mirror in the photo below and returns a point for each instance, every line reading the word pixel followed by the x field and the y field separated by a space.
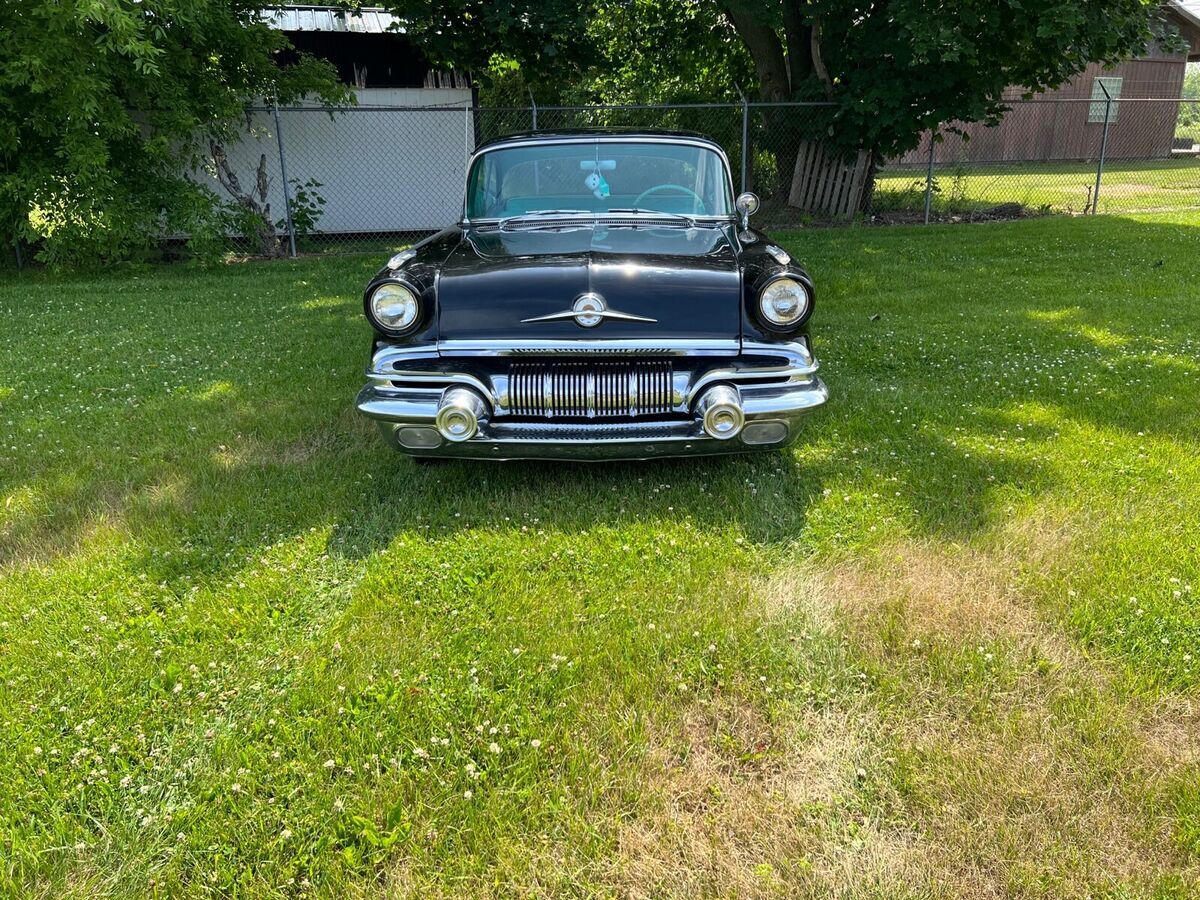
pixel 599 165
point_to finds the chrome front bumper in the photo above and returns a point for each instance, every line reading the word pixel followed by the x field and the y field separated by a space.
pixel 776 385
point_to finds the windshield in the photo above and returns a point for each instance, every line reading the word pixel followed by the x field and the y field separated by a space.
pixel 599 177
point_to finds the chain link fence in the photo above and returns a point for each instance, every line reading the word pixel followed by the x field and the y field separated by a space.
pixel 1062 156
pixel 376 178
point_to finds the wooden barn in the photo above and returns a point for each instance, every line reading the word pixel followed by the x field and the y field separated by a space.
pixel 1068 123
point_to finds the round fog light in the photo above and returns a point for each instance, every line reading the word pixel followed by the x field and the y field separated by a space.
pixel 458 416
pixel 721 412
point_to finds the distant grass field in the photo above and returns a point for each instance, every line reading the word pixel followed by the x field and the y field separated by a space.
pixel 947 646
pixel 1172 184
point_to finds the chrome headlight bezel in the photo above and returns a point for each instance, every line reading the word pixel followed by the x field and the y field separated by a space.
pixel 381 322
pixel 771 317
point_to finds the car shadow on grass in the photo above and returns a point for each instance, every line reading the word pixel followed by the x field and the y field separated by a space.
pixel 272 449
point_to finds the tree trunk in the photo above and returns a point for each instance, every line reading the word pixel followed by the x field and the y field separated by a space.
pixel 254 201
pixel 819 180
pixel 774 83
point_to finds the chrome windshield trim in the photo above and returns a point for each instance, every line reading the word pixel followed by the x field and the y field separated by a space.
pixel 602 139
pixel 603 218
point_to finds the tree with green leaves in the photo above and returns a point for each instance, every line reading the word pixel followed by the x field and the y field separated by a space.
pixel 106 104
pixel 895 68
pixel 888 70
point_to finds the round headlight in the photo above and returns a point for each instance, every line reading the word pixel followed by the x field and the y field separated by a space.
pixel 394 307
pixel 784 302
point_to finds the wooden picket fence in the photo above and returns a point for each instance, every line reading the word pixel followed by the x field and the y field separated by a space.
pixel 823 182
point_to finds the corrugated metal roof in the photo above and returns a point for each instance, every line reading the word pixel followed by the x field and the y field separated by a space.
pixel 369 20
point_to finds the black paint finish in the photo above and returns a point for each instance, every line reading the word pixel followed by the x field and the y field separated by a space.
pixel 701 283
pixel 686 279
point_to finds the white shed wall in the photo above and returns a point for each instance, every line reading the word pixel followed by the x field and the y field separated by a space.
pixel 380 169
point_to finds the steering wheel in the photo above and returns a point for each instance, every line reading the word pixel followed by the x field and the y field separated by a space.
pixel 677 188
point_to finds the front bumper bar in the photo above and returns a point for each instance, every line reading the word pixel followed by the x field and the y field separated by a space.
pixel 776 384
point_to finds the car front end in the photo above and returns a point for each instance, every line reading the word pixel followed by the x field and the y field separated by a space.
pixel 629 326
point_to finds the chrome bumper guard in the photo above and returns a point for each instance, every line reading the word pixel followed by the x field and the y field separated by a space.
pixel 773 384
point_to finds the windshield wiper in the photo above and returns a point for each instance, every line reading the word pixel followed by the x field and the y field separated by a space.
pixel 655 212
pixel 544 213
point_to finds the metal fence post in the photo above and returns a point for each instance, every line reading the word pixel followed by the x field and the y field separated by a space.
pixel 929 178
pixel 533 110
pixel 287 197
pixel 1103 147
pixel 745 137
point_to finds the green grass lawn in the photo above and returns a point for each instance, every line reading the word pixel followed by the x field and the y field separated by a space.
pixel 1126 187
pixel 949 645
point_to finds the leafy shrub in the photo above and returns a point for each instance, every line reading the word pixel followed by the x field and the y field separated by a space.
pixel 307 207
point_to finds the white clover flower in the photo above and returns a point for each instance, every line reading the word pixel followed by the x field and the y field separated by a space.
pixel 535 743
pixel 493 747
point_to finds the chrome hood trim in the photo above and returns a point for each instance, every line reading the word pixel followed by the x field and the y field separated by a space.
pixel 648 347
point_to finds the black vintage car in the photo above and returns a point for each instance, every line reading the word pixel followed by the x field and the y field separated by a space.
pixel 602 297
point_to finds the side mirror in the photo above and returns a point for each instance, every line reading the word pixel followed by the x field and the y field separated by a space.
pixel 746 205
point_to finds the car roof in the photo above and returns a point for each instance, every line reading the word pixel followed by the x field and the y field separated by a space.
pixel 551 136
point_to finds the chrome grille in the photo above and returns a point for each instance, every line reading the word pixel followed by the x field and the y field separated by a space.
pixel 591 390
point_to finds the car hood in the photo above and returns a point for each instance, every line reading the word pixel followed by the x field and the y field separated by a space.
pixel 681 285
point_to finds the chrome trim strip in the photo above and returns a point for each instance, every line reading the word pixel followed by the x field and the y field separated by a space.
pixel 647 346
pixel 404 351
pixel 780 255
pixel 598 314
pixel 384 359
pixel 804 356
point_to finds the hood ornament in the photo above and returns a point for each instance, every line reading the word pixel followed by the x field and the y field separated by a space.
pixel 588 312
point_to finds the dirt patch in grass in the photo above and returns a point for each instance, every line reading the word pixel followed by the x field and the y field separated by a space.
pixel 1022 769
pixel 1033 803
pixel 960 596
pixel 1171 727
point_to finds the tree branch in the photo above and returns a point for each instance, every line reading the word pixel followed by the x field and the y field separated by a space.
pixel 818 63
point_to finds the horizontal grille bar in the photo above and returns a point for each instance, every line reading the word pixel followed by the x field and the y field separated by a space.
pixel 591 390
